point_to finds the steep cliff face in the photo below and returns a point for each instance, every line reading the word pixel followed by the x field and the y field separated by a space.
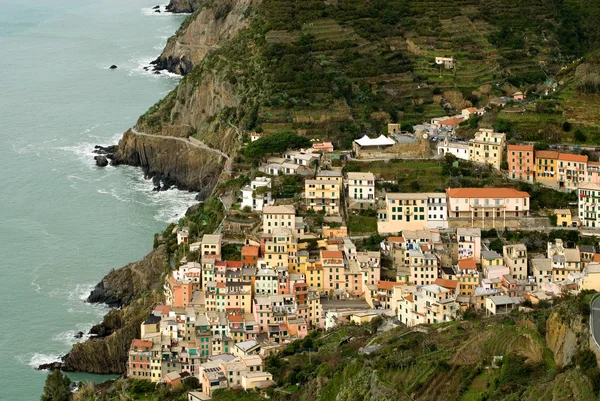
pixel 209 26
pixel 120 287
pixel 136 285
pixel 173 161
pixel 565 337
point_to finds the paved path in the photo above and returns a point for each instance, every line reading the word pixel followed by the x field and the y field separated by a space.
pixel 191 142
pixel 595 320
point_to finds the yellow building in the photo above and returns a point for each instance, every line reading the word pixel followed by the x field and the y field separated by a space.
pixel 314 275
pixel 564 218
pixel 403 211
pixel 546 171
pixel 323 195
pixel 591 277
pixel 280 248
pixel 487 147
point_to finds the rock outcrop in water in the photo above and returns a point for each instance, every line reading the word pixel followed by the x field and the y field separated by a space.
pixel 184 6
pixel 204 31
pixel 135 288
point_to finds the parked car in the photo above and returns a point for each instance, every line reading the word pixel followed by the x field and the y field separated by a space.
pixel 597 149
pixel 576 147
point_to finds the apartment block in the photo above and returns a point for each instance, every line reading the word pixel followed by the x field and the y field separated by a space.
pixel 361 190
pixel 487 148
pixel 521 164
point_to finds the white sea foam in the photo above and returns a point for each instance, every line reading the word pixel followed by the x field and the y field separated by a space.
pixel 149 11
pixel 38 359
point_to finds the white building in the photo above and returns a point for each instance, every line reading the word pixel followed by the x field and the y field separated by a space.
pixel 431 304
pixel 258 194
pixel 437 210
pixel 469 243
pixel 589 205
pixel 275 217
pixel 265 282
pixel 361 190
pixel 459 150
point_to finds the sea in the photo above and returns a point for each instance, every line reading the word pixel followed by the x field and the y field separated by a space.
pixel 65 223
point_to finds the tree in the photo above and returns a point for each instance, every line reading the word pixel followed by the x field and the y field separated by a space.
pixel 190 383
pixel 56 387
pixel 497 245
pixel 580 136
pixel 566 126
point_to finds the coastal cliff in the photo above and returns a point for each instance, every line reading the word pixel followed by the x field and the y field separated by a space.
pixel 173 162
pixel 566 336
pixel 136 287
pixel 210 25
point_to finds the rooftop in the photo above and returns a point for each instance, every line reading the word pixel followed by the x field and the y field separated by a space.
pixel 486 193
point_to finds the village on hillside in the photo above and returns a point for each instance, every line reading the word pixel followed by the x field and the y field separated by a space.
pixel 344 248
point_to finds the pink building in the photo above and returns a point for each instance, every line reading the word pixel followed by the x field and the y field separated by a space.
pixel 324 147
pixel 593 173
pixel 521 164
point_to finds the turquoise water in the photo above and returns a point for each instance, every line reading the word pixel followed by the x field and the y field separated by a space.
pixel 64 222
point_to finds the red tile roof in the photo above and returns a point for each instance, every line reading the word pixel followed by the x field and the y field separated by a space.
pixel 249 250
pixel 331 254
pixel 235 318
pixel 396 239
pixel 163 309
pixel 388 285
pixel 467 264
pixel 454 121
pixel 140 344
pixel 450 284
pixel 596 257
pixel 572 158
pixel 234 264
pixel 516 148
pixel 410 298
pixel 546 154
pixel 485 193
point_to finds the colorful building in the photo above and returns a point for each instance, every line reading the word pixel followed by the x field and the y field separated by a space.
pixel 521 164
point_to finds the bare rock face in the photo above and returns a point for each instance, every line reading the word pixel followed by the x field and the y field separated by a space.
pixel 171 161
pixel 207 28
pixel 565 338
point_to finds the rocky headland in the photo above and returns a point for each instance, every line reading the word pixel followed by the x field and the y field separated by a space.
pixel 133 290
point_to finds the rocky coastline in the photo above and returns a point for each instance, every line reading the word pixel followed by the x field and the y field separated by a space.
pixel 132 291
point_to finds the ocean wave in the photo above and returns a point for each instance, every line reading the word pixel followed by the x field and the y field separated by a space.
pixel 68 337
pixel 149 11
pixel 38 359
pixel 144 68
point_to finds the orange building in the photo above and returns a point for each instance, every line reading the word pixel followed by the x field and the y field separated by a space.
pixel 140 359
pixel 179 293
pixel 521 165
pixel 250 255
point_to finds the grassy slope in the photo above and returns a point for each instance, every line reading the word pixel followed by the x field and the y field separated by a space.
pixel 339 69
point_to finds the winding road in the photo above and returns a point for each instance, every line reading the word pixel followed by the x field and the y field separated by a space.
pixel 191 142
pixel 595 320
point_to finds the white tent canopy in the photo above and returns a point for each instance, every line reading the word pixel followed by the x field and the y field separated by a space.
pixel 381 141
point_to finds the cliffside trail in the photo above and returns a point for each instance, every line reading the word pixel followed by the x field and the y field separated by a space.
pixel 191 142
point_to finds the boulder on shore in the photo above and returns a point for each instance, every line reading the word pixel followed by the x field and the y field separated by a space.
pixel 112 67
pixel 101 161
pixel 156 7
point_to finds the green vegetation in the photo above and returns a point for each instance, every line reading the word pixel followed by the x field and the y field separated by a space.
pixel 270 144
pixel 57 387
pixel 358 224
pixel 321 68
